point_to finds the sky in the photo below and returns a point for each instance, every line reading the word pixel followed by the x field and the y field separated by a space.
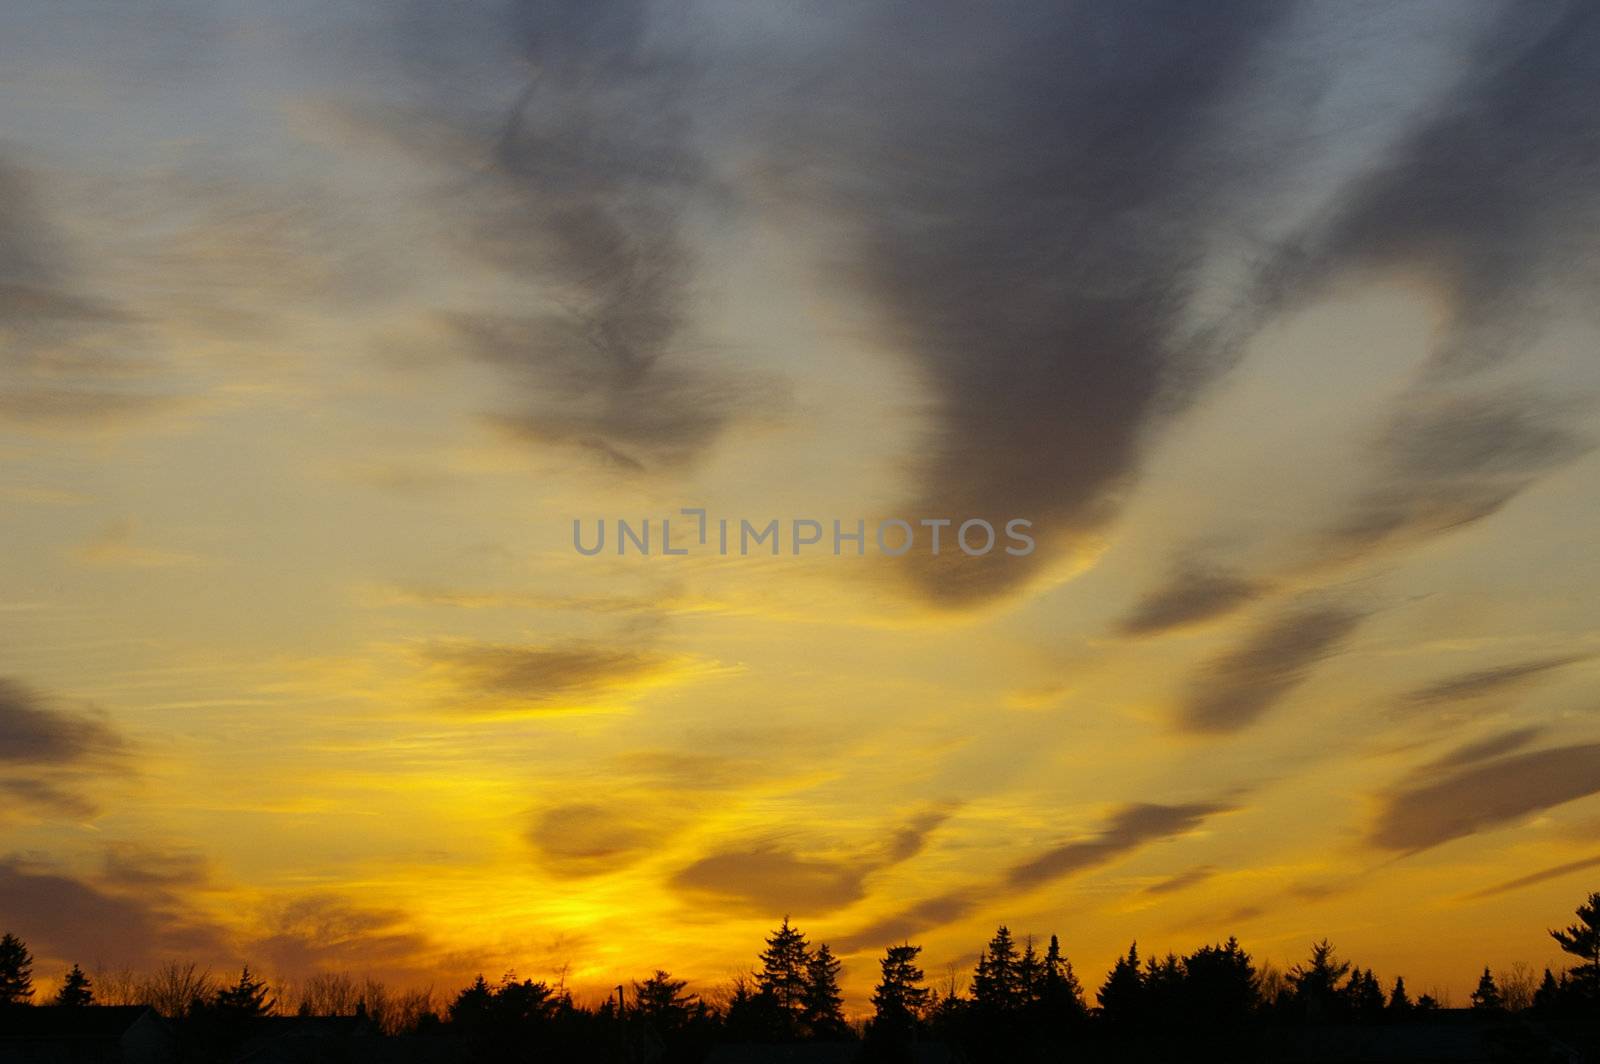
pixel 321 325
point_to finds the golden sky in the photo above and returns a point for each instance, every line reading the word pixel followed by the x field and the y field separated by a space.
pixel 319 331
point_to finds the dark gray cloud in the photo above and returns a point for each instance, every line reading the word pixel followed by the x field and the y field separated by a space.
pixel 1486 748
pixel 70 920
pixel 771 878
pixel 1182 881
pixel 1192 593
pixel 539 675
pixel 1029 213
pixel 1534 878
pixel 1451 458
pixel 67 359
pixel 577 189
pixel 1129 829
pixel 593 837
pixel 35 732
pixel 1497 680
pixel 1235 690
pixel 1433 808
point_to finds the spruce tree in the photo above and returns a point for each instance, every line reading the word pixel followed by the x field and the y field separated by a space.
pixel 1060 994
pixel 76 990
pixel 1122 996
pixel 822 1007
pixel 1487 997
pixel 246 999
pixel 16 971
pixel 996 984
pixel 1399 1001
pixel 782 977
pixel 899 1000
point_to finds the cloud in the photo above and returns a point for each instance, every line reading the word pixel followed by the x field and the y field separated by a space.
pixel 1534 878
pixel 323 932
pixel 1487 748
pixel 1235 690
pixel 587 838
pixel 1029 217
pixel 1130 828
pixel 1450 458
pixel 67 359
pixel 768 878
pixel 34 733
pixel 1430 809
pixel 577 192
pixel 550 677
pixel 1192 594
pixel 1182 881
pixel 69 920
pixel 1478 683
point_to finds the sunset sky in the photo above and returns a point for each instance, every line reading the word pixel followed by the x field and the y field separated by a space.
pixel 321 324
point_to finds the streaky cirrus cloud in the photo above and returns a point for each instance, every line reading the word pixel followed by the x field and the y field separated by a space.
pixel 1128 829
pixel 1480 683
pixel 548 677
pixel 1534 878
pixel 1192 593
pixel 1233 691
pixel 1428 809
pixel 573 179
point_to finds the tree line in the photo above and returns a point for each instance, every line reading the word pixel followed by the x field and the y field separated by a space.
pixel 1018 999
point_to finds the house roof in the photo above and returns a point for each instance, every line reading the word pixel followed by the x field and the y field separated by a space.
pixel 85 1022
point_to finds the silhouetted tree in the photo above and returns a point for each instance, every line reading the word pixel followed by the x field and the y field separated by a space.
pixel 1122 996
pixel 899 1002
pixel 1486 998
pixel 1399 1000
pixel 1582 940
pixel 1363 996
pixel 997 982
pixel 1315 986
pixel 1220 988
pixel 822 1007
pixel 783 973
pixel 678 1022
pixel 247 999
pixel 1060 994
pixel 16 971
pixel 76 991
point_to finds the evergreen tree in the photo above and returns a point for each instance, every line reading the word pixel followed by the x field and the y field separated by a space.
pixel 660 1001
pixel 1487 997
pixel 1060 994
pixel 1122 997
pixel 783 971
pixel 1220 987
pixel 997 983
pixel 16 971
pixel 1364 996
pixel 899 1001
pixel 1030 976
pixel 1316 985
pixel 246 999
pixel 1399 1001
pixel 1582 940
pixel 822 1012
pixel 76 990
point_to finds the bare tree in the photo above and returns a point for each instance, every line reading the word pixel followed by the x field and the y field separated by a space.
pixel 174 989
pixel 1517 985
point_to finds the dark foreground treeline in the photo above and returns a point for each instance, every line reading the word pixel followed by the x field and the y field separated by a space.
pixel 1021 1003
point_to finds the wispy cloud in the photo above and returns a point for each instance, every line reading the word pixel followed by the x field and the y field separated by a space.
pixel 1233 691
